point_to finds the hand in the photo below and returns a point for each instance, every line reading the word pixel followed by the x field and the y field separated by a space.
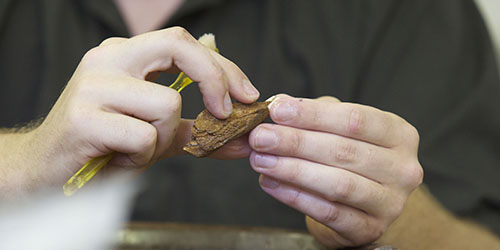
pixel 109 106
pixel 348 167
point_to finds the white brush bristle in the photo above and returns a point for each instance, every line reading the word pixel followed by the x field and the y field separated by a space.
pixel 208 40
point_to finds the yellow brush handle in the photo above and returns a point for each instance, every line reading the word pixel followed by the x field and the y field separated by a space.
pixel 94 165
pixel 85 174
pixel 181 82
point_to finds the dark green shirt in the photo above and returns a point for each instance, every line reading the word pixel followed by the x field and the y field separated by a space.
pixel 429 61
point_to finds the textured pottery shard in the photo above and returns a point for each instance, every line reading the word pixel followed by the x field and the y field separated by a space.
pixel 210 133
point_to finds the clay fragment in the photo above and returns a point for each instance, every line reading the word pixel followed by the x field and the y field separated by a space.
pixel 210 133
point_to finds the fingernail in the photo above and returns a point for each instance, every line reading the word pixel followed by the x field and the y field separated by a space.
pixel 272 98
pixel 284 110
pixel 265 138
pixel 228 105
pixel 268 182
pixel 265 161
pixel 249 89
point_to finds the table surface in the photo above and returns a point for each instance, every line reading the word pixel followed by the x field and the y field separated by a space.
pixel 166 236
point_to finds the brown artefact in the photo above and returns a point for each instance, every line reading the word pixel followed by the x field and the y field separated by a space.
pixel 210 133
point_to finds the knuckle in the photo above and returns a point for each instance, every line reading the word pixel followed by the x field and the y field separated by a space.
pixel 229 64
pixel 373 156
pixel 413 174
pixel 91 56
pixel 84 84
pixel 344 152
pixel 294 173
pixel 369 231
pixel 217 73
pixel 409 134
pixel 388 121
pixel 146 138
pixel 170 103
pixel 329 215
pixel 413 135
pixel 356 121
pixel 316 115
pixel 176 102
pixel 179 33
pixel 111 40
pixel 328 99
pixel 294 198
pixel 395 209
pixel 88 85
pixel 375 233
pixel 296 142
pixel 343 189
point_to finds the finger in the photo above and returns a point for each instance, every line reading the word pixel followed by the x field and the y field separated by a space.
pixel 329 99
pixel 112 40
pixel 111 132
pixel 150 102
pixel 371 161
pixel 355 226
pixel 160 50
pixel 127 95
pixel 239 85
pixel 182 137
pixel 347 119
pixel 332 184
pixel 235 149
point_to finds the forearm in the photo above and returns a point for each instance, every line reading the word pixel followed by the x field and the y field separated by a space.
pixel 19 154
pixel 14 177
pixel 425 224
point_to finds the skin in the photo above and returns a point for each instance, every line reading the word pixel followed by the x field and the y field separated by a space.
pixel 109 106
pixel 349 168
pixel 343 224
pixel 425 224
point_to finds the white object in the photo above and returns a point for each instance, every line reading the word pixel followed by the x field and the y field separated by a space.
pixel 490 10
pixel 88 220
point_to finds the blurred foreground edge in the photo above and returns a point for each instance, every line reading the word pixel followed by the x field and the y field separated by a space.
pixel 166 236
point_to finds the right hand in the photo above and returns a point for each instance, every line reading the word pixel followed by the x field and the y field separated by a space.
pixel 109 106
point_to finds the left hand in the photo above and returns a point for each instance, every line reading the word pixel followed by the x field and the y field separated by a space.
pixel 350 168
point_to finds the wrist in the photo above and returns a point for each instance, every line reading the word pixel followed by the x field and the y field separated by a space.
pixel 14 175
pixel 28 162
